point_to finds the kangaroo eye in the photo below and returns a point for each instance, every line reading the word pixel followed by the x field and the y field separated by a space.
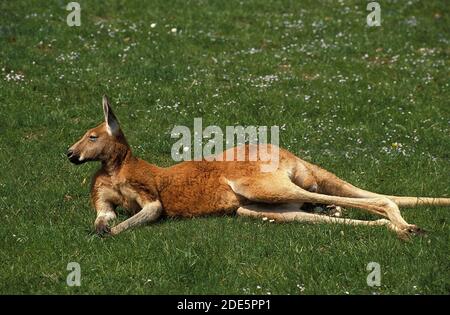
pixel 93 137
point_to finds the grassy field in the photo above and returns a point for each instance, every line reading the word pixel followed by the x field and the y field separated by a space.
pixel 370 104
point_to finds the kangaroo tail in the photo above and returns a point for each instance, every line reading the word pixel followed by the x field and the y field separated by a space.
pixel 419 201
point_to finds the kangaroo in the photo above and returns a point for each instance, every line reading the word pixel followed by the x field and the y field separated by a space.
pixel 195 188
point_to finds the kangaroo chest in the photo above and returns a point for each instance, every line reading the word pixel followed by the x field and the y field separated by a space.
pixel 123 195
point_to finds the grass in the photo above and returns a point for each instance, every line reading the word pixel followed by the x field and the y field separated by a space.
pixel 370 104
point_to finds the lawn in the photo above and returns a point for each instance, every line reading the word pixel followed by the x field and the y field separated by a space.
pixel 371 104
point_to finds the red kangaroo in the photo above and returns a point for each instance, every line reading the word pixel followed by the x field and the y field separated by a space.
pixel 195 188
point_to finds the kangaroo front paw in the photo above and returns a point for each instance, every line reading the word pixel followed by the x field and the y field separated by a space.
pixel 102 228
pixel 334 211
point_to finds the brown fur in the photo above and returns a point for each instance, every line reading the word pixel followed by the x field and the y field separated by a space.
pixel 198 188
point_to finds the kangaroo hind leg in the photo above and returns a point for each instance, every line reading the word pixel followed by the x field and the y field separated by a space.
pixel 276 188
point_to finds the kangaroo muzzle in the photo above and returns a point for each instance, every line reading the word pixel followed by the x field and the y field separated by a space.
pixel 74 158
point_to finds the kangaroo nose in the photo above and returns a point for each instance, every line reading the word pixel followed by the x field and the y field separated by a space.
pixel 69 153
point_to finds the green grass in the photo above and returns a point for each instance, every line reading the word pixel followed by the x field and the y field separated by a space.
pixel 343 93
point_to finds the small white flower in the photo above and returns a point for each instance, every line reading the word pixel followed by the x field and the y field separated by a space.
pixel 153 25
pixel 265 219
pixel 15 77
pixel 271 221
pixel 173 30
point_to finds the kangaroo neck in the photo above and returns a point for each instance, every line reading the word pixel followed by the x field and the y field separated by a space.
pixel 119 156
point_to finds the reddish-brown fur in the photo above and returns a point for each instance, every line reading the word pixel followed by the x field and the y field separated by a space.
pixel 198 188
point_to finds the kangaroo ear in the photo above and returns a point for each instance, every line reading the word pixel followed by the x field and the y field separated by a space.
pixel 112 124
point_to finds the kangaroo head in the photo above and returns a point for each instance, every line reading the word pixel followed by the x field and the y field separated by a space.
pixel 105 143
